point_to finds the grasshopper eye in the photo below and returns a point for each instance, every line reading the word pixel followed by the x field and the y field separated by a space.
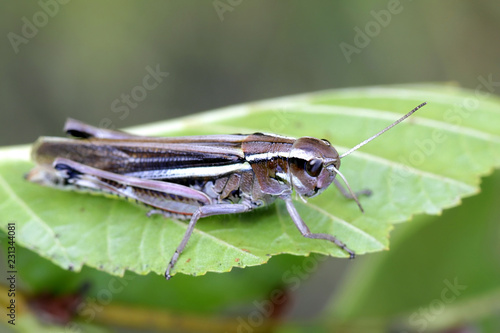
pixel 314 166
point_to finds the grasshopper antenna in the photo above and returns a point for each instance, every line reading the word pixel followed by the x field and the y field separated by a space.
pixel 382 131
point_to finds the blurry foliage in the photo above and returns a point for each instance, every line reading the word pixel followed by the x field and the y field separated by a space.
pixel 92 52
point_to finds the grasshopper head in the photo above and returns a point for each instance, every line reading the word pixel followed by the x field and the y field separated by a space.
pixel 310 165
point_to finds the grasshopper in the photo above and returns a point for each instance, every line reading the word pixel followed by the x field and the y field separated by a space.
pixel 193 177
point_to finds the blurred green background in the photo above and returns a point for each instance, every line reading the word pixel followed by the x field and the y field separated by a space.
pixel 82 58
pixel 83 55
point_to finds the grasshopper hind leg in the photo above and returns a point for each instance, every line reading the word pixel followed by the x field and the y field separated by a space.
pixel 168 199
pixel 78 129
pixel 203 211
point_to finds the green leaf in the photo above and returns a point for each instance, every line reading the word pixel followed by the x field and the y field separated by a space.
pixel 203 295
pixel 423 165
pixel 454 280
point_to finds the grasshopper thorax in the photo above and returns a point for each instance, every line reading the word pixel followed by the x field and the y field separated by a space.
pixel 310 165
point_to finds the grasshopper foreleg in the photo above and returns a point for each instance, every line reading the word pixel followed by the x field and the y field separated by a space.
pixel 304 230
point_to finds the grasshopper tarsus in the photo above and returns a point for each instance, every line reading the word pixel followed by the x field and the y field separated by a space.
pixel 171 264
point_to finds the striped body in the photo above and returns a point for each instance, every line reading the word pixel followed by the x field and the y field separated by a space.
pixel 250 169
